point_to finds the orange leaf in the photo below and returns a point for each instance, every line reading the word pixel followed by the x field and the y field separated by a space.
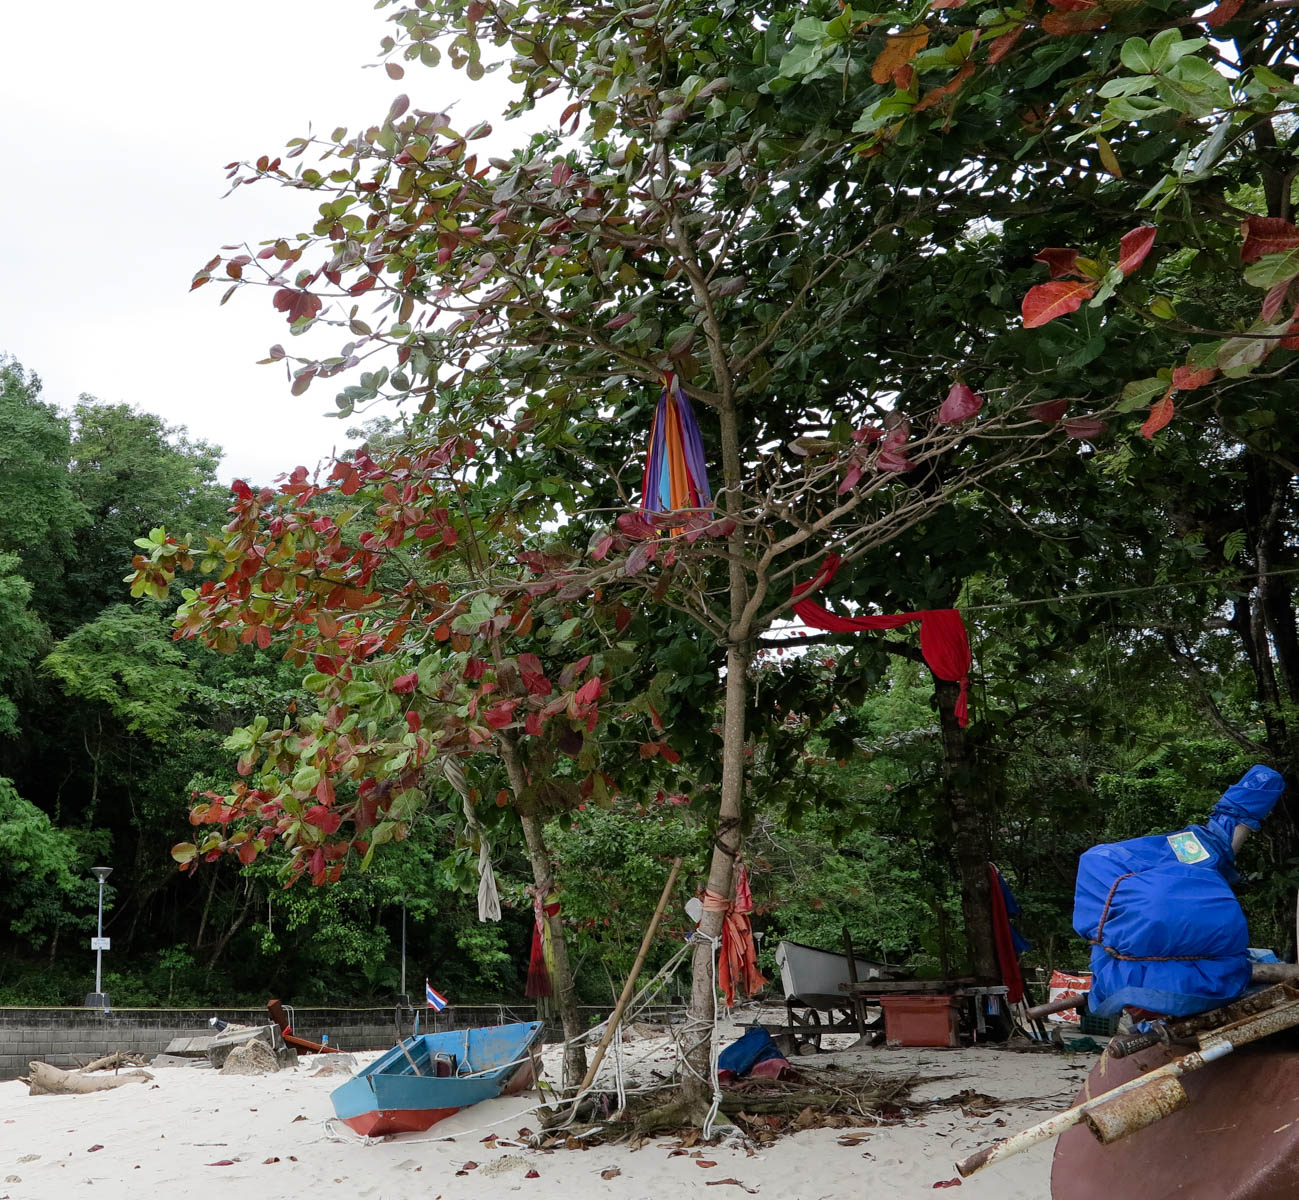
pixel 932 97
pixel 1161 412
pixel 1060 24
pixel 1187 379
pixel 1047 301
pixel 899 50
pixel 1004 44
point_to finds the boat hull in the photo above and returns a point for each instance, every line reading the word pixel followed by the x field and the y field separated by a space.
pixel 401 1091
pixel 807 972
pixel 1237 1139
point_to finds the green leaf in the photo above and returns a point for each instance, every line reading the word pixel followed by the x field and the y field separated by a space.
pixel 1272 269
pixel 1141 393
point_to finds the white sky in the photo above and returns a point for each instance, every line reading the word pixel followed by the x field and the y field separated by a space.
pixel 116 120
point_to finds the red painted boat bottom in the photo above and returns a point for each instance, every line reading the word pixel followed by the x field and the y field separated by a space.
pixel 397 1120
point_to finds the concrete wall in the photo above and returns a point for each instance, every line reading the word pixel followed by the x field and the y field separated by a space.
pixel 72 1037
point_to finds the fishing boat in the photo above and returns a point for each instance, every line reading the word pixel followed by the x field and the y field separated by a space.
pixel 428 1077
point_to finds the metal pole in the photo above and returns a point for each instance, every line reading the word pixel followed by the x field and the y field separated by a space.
pixel 99 953
pixel 403 949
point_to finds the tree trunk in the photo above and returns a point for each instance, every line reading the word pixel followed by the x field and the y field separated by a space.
pixel 970 843
pixel 543 876
pixel 697 1036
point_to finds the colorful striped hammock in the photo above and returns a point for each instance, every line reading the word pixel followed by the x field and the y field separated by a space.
pixel 675 475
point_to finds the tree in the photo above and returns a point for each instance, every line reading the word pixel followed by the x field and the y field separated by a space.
pixel 765 209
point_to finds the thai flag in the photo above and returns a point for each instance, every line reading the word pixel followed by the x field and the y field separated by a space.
pixel 435 1000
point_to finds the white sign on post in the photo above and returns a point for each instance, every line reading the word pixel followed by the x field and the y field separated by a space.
pixel 100 943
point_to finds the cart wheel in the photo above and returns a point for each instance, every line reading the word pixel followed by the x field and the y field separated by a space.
pixel 807 1037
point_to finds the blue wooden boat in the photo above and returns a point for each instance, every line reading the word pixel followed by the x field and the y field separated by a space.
pixel 427 1077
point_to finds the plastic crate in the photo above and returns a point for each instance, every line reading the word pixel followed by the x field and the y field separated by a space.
pixel 918 1020
pixel 1091 1024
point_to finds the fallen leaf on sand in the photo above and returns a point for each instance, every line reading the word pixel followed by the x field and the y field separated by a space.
pixel 610 1173
pixel 533 1175
pixel 299 1117
pixel 735 1182
pixel 705 1162
pixel 948 1183
pixel 94 1148
pixel 221 1162
pixel 267 1161
pixel 851 1141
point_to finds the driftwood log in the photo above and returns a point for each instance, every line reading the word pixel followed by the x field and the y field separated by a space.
pixel 111 1062
pixel 44 1080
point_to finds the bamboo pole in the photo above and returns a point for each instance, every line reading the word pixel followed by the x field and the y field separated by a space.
pixel 616 1016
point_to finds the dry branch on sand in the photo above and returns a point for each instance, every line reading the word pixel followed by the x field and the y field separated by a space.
pixel 44 1080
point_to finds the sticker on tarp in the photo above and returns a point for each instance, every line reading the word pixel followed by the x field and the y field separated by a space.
pixel 1188 848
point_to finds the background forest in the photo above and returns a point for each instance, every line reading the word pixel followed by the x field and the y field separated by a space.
pixel 1088 729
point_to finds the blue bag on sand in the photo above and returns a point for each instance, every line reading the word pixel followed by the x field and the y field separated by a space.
pixel 1166 930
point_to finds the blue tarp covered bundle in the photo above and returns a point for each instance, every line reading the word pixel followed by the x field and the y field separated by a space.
pixel 1167 932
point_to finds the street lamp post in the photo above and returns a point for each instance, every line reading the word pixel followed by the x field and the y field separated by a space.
pixel 99 944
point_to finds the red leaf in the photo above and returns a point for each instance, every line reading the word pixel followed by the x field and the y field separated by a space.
pixel 946 1183
pixel 1059 261
pixel 533 724
pixel 930 98
pixel 602 547
pixel 1187 379
pixel 961 404
pixel 1225 10
pixel 220 1162
pixel 1048 410
pixel 1135 246
pixel 1274 300
pixel 1047 301
pixel 850 480
pixel 405 683
pixel 247 852
pixel 589 692
pixel 534 676
pixel 532 1174
pixel 1084 429
pixel 500 715
pixel 96 1146
pixel 1266 235
pixel 1003 45
pixel 324 819
pixel 1161 412
pixel 327 625
pixel 413 722
pixel 620 320
pixel 395 70
pixel 264 636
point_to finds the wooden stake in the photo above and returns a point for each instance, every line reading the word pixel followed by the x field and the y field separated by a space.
pixel 616 1016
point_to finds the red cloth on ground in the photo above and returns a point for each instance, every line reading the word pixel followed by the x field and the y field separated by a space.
pixel 1007 959
pixel 943 640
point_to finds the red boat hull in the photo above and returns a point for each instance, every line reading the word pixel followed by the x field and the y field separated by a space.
pixel 1237 1139
pixel 397 1120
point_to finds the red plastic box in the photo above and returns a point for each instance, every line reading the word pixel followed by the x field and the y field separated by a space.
pixel 918 1020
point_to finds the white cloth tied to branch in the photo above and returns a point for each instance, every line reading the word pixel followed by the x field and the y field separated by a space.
pixel 489 900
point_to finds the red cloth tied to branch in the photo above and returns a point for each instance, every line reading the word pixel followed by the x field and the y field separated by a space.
pixel 541 957
pixel 943 641
pixel 738 962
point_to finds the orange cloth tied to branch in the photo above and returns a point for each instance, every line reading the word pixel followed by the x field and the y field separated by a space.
pixel 944 644
pixel 738 962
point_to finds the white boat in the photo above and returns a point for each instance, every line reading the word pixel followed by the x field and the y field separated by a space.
pixel 812 975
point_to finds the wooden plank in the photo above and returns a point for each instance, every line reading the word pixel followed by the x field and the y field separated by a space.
pixel 883 987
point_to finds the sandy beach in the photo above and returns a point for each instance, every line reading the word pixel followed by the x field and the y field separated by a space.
pixel 198 1133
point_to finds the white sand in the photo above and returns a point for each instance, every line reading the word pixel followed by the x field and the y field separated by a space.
pixel 198 1134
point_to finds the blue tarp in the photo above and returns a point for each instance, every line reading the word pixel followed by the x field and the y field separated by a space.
pixel 1174 938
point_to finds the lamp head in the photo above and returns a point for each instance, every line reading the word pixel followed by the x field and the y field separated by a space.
pixel 101 873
